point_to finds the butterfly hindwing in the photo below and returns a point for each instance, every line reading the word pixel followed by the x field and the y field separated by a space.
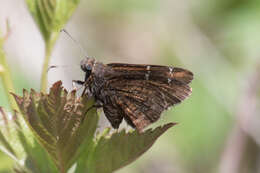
pixel 113 112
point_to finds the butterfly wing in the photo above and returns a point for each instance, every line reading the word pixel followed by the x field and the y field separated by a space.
pixel 113 112
pixel 164 74
pixel 143 92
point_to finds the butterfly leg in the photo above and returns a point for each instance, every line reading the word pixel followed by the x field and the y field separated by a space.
pixel 82 83
pixel 74 82
pixel 88 80
pixel 79 82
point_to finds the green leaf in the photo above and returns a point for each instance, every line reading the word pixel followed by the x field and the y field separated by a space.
pixel 59 122
pixel 5 74
pixel 37 159
pixel 51 15
pixel 115 151
pixel 3 141
pixel 17 142
pixel 64 125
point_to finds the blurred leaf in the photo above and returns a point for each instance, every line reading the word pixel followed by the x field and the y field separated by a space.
pixel 6 145
pixel 111 152
pixel 17 142
pixel 56 121
pixel 5 74
pixel 51 15
pixel 36 156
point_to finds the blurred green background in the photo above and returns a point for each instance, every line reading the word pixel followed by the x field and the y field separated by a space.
pixel 218 40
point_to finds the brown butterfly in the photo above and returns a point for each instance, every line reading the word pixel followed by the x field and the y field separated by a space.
pixel 136 93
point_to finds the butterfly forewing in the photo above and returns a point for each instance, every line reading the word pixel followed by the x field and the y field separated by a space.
pixel 151 72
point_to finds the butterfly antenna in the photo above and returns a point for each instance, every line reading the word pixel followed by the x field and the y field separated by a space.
pixel 58 66
pixel 75 41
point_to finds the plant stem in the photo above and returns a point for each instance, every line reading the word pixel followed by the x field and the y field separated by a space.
pixel 49 44
pixel 6 77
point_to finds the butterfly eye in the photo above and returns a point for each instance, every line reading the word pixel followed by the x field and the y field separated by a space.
pixel 86 67
pixel 86 64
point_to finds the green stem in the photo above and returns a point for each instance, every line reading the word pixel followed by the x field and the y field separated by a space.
pixel 6 77
pixel 49 44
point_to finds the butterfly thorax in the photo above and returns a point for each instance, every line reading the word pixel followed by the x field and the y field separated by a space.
pixel 98 81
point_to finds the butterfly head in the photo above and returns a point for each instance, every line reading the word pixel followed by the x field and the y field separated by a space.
pixel 87 64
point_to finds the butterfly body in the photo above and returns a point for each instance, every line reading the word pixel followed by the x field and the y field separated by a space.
pixel 137 93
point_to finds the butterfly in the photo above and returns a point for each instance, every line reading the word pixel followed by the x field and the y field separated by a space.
pixel 136 93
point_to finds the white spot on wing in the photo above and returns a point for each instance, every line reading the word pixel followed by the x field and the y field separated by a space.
pixel 171 69
pixel 148 72
pixel 147 76
pixel 171 72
